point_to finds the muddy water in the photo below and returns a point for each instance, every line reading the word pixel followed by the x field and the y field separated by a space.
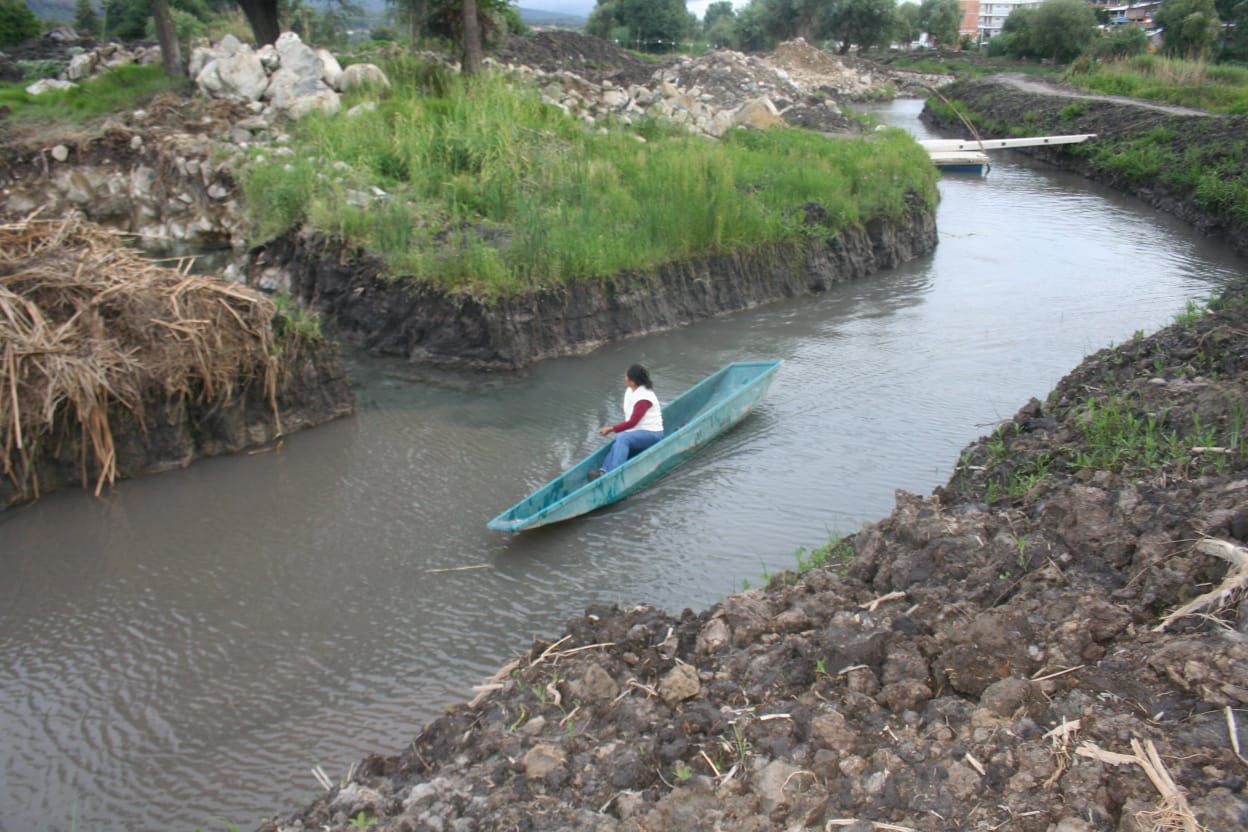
pixel 193 644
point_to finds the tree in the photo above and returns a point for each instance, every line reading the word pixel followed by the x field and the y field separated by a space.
pixel 167 34
pixel 941 19
pixel 1062 29
pixel 906 27
pixel 1191 27
pixel 652 25
pixel 471 63
pixel 865 23
pixel 1235 13
pixel 716 11
pixel 86 21
pixel 17 22
pixel 262 17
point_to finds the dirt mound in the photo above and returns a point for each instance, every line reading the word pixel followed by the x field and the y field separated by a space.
pixel 590 57
pixel 88 326
pixel 1063 651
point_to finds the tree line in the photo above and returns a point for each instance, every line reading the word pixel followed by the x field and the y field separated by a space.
pixel 663 25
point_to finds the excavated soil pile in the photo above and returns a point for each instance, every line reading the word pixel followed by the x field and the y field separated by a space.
pixel 592 58
pixel 1069 656
pixel 731 79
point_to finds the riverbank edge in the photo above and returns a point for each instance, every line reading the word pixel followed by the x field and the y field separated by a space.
pixel 1001 111
pixel 962 663
pixel 368 308
pixel 173 433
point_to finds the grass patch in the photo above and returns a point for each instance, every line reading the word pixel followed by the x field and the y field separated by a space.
pixel 1217 88
pixel 480 186
pixel 121 88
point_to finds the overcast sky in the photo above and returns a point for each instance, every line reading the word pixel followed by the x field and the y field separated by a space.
pixel 584 7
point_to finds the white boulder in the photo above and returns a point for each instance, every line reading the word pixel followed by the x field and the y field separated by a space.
pixel 358 76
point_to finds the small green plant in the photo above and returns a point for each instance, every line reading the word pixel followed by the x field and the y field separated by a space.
pixel 1192 312
pixel 682 771
pixel 520 720
pixel 363 821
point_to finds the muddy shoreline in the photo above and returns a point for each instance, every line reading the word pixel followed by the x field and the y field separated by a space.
pixel 1000 110
pixel 971 661
pixel 369 309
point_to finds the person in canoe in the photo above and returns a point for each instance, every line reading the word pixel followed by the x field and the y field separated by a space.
pixel 642 425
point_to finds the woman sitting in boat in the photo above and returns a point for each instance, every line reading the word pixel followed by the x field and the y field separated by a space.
pixel 642 425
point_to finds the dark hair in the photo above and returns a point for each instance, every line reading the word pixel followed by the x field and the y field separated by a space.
pixel 638 375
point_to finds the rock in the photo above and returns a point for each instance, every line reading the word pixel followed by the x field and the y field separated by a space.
pixel 777 782
pixel 48 85
pixel 361 108
pixel 542 760
pixel 1005 696
pixel 218 192
pixel 60 153
pixel 239 75
pixel 331 70
pixel 354 798
pixel 713 636
pixel 680 683
pixel 80 66
pixel 359 76
pixel 595 685
pixel 759 113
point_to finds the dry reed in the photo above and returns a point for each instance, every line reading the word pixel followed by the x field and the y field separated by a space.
pixel 88 326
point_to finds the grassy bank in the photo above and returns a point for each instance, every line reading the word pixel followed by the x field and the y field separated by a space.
pixel 483 187
pixel 959 64
pixel 122 88
pixel 1219 89
pixel 1200 162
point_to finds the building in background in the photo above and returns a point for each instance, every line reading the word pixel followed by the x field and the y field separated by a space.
pixel 992 15
pixel 970 19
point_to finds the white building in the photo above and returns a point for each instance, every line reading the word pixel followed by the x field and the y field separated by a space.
pixel 992 15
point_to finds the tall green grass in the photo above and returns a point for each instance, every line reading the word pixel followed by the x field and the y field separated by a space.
pixel 487 189
pixel 1217 88
pixel 121 88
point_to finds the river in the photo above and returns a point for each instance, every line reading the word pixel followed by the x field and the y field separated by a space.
pixel 189 646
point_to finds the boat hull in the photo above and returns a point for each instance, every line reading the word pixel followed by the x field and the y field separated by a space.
pixel 706 410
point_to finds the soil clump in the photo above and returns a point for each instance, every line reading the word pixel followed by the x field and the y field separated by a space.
pixel 592 58
pixel 1064 650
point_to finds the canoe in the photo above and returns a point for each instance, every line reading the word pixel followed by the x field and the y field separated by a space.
pixel 697 416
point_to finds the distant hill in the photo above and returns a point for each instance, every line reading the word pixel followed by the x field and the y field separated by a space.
pixel 541 17
pixel 62 11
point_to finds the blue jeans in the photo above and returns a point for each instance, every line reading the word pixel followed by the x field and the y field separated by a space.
pixel 628 443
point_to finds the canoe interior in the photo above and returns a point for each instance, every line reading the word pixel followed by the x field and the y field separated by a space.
pixel 710 406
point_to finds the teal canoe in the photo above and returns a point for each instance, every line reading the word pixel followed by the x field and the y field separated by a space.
pixel 701 413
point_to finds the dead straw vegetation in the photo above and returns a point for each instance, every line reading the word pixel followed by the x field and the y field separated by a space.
pixel 89 329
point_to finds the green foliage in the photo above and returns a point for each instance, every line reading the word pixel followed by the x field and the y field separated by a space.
pixel 488 189
pixel 1221 89
pixel 86 21
pixel 1191 27
pixel 17 22
pixel 295 320
pixel 33 70
pixel 941 19
pixel 363 821
pixel 682 771
pixel 121 88
pixel 906 25
pixel 1056 29
pixel 651 25
pixel 1122 43
pixel 862 23
pixel 721 9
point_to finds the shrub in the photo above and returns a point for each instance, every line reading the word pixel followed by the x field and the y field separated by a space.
pixel 17 22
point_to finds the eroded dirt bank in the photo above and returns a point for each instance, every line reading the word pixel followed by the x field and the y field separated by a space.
pixel 112 366
pixel 1192 166
pixel 974 661
pixel 401 317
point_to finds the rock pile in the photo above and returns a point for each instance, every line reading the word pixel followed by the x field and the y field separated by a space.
pixel 288 78
pixel 706 95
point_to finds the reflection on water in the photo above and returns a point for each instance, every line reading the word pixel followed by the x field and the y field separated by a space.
pixel 191 644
